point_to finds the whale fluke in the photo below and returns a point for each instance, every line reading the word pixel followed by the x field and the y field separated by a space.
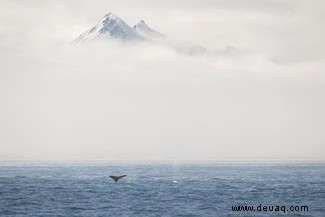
pixel 116 178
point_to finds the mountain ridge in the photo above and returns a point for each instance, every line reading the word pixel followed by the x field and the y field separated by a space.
pixel 112 26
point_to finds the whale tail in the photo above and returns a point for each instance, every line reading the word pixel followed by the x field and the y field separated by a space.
pixel 116 178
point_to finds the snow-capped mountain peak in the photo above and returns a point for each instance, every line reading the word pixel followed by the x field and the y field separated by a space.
pixel 145 30
pixel 110 26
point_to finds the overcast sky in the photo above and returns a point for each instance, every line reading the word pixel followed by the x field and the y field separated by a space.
pixel 140 102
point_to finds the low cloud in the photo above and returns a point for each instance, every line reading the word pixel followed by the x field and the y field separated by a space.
pixel 145 101
pixel 115 101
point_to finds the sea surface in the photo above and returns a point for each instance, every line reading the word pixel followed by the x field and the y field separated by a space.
pixel 170 189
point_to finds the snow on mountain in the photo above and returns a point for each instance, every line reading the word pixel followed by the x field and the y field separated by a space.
pixel 146 31
pixel 111 26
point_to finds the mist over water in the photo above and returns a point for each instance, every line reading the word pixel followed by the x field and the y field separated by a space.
pixel 114 101
pixel 255 93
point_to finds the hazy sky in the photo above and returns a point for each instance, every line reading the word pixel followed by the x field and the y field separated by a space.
pixel 140 102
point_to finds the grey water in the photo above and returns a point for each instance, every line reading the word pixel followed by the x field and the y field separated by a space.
pixel 162 189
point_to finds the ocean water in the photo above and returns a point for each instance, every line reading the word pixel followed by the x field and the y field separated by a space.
pixel 162 190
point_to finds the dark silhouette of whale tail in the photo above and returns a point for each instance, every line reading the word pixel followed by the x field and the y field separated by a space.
pixel 116 178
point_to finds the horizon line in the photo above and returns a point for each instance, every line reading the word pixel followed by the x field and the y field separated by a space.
pixel 157 161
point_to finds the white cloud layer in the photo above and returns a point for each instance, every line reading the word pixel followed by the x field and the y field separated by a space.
pixel 144 101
